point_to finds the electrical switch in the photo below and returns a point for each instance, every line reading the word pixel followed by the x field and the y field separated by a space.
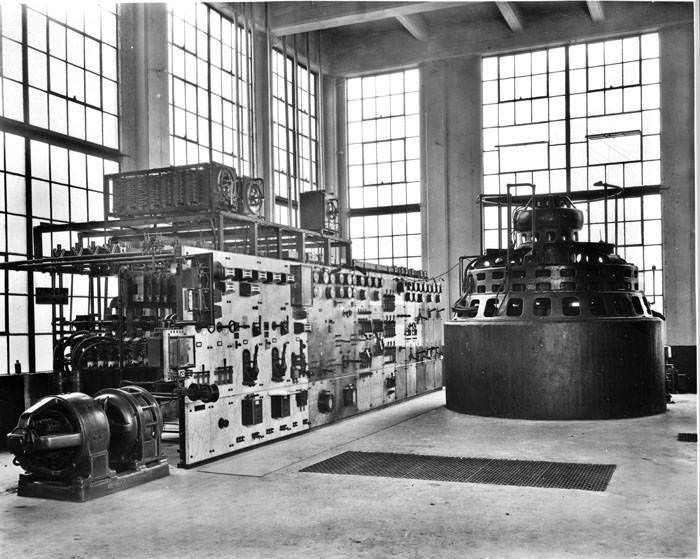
pixel 250 367
pixel 279 364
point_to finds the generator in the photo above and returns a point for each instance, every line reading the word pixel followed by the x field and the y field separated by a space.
pixel 552 327
pixel 319 211
pixel 75 448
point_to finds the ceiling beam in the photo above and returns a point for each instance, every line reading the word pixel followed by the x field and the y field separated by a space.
pixel 236 9
pixel 288 18
pixel 510 15
pixel 415 24
pixel 595 8
pixel 352 51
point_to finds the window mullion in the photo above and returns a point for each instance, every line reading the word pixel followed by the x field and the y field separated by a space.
pixel 567 118
pixel 209 119
pixel 31 328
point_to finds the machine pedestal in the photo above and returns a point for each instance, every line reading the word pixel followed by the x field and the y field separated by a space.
pixel 83 490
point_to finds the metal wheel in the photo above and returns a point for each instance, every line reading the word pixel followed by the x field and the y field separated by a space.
pixel 253 196
pixel 226 183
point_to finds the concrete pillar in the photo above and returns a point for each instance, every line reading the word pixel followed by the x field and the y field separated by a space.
pixel 263 120
pixel 434 167
pixel 336 151
pixel 451 101
pixel 143 48
pixel 329 145
pixel 678 179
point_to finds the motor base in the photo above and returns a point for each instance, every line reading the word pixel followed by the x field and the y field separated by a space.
pixel 81 490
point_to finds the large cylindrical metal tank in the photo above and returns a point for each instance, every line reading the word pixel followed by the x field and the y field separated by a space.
pixel 553 328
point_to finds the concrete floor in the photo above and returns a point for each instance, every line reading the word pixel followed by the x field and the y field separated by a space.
pixel 258 504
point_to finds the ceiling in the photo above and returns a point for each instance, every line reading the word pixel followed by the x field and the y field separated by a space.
pixel 419 19
pixel 363 36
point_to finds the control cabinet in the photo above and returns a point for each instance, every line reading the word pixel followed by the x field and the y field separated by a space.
pixel 375 338
pixel 245 349
pixel 265 348
pixel 244 370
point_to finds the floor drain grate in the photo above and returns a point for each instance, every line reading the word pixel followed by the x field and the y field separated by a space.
pixel 688 437
pixel 528 473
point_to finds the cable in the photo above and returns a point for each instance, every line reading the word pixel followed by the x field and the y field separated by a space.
pixel 444 273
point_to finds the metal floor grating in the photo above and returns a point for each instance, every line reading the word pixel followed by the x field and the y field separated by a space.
pixel 688 437
pixel 559 475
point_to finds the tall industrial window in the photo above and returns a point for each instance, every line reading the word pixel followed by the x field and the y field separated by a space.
pixel 59 76
pixel 384 168
pixel 565 118
pixel 294 134
pixel 211 88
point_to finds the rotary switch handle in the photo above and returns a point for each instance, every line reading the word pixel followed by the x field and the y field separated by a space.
pixel 284 354
pixel 250 367
pixel 279 363
pixel 299 361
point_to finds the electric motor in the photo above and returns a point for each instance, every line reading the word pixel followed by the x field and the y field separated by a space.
pixel 71 436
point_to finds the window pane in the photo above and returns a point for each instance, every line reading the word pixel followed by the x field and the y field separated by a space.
pixel 384 162
pixel 63 86
pixel 202 70
pixel 612 92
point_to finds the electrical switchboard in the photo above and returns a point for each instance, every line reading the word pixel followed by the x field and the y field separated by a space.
pixel 245 331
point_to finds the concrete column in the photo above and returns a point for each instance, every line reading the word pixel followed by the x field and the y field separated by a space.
pixel 451 100
pixel 464 161
pixel 337 150
pixel 678 179
pixel 329 138
pixel 263 120
pixel 434 167
pixel 143 48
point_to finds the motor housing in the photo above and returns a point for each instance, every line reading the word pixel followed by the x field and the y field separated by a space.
pixel 74 447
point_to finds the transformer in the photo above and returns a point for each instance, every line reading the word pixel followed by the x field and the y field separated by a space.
pixel 553 328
